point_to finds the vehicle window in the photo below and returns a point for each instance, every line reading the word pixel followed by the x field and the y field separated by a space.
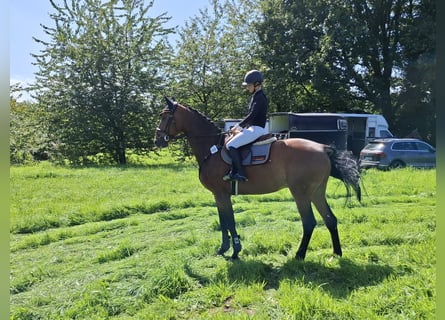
pixel 411 146
pixel 400 146
pixel 375 146
pixel 422 146
pixel 404 146
pixel 385 134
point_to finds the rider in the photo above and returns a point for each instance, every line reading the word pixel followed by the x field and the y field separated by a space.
pixel 251 127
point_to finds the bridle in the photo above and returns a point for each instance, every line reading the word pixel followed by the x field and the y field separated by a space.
pixel 164 133
pixel 163 137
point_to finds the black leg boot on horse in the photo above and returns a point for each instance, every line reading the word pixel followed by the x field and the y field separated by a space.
pixel 237 172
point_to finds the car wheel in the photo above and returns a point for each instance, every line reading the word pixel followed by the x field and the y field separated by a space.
pixel 397 164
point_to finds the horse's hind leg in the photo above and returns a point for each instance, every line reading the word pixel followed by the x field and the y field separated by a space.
pixel 319 200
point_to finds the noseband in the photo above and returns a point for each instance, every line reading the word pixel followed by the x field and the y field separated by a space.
pixel 170 120
pixel 164 132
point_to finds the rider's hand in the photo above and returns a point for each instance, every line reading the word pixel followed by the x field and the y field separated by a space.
pixel 236 129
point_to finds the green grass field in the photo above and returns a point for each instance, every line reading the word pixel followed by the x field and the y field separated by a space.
pixel 139 242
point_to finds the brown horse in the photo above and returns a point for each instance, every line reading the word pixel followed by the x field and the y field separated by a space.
pixel 301 165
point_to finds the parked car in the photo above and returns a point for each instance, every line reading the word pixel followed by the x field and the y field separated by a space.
pixel 394 153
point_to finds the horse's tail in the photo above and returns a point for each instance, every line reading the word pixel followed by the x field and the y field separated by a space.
pixel 345 168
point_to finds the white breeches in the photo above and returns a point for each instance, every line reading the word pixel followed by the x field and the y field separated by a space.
pixel 246 136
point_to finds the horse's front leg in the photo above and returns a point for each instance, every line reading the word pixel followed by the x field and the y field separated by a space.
pixel 227 223
pixel 225 243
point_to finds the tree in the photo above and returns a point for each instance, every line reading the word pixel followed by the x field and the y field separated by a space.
pixel 338 55
pixel 215 50
pixel 290 37
pixel 100 75
pixel 27 139
pixel 415 101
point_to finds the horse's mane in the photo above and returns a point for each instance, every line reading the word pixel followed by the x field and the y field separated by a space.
pixel 204 117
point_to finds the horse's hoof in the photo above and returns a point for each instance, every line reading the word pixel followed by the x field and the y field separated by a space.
pixel 338 254
pixel 299 257
pixel 235 256
pixel 334 257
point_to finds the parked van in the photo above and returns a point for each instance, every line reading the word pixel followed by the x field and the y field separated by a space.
pixel 346 131
pixel 363 128
pixel 326 128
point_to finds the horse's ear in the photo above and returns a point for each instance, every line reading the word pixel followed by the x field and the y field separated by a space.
pixel 168 101
pixel 171 104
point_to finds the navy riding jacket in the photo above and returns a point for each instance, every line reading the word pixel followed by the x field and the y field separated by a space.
pixel 257 114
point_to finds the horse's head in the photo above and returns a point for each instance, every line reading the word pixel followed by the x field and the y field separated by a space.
pixel 167 126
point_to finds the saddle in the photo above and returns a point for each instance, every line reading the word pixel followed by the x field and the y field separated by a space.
pixel 254 153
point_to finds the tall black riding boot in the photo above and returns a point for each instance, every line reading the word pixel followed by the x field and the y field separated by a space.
pixel 237 168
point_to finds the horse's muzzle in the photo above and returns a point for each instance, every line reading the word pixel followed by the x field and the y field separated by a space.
pixel 161 140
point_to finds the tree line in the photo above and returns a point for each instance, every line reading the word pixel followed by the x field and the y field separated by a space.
pixel 106 65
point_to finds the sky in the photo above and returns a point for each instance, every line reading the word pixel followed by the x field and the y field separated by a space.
pixel 26 17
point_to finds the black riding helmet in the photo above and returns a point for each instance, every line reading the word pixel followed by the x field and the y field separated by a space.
pixel 253 76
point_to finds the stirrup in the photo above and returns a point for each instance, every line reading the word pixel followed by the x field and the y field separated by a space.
pixel 234 177
pixel 239 177
pixel 229 176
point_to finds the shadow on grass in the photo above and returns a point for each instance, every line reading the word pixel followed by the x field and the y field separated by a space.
pixel 338 280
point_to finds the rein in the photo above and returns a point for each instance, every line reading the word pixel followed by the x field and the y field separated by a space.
pixel 167 137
